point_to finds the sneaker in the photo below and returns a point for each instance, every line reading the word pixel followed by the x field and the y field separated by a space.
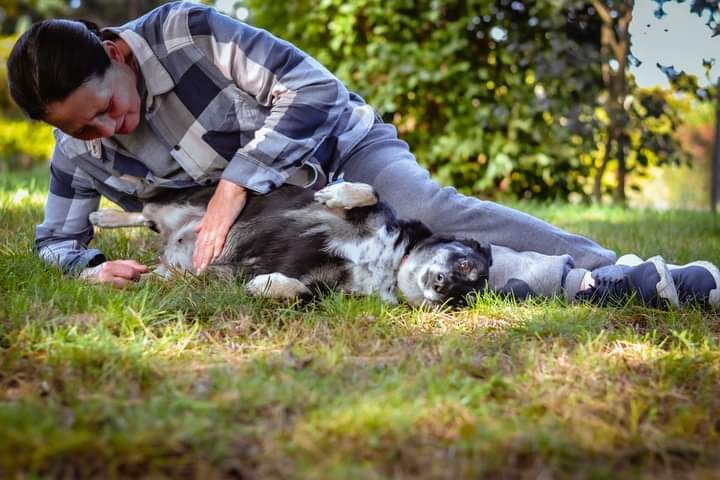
pixel 649 282
pixel 696 282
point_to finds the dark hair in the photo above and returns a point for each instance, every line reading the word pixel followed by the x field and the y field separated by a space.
pixel 51 60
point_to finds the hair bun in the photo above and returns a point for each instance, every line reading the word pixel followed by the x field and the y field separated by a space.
pixel 91 26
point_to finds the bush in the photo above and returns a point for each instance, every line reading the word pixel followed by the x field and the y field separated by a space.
pixel 24 144
pixel 494 97
pixel 7 106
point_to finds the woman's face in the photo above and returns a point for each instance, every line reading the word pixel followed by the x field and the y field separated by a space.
pixel 103 106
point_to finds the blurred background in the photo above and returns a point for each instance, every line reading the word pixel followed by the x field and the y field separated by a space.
pixel 581 101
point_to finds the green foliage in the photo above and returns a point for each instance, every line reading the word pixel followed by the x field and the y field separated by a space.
pixel 24 144
pixel 7 106
pixel 654 117
pixel 484 114
pixel 18 14
pixel 498 98
pixel 522 115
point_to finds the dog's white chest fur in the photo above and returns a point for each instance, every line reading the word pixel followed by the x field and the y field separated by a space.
pixel 374 262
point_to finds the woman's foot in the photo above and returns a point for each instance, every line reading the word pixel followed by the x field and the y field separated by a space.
pixel 648 282
pixel 696 282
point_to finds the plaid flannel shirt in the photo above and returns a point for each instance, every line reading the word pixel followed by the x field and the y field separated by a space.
pixel 228 100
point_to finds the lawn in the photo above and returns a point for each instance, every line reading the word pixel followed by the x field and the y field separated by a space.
pixel 192 378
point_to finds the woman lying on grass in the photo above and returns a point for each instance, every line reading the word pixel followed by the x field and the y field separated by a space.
pixel 186 96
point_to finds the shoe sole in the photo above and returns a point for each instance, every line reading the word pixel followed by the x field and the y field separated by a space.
pixel 666 286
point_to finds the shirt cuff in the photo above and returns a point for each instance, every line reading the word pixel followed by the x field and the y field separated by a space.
pixel 253 175
pixel 75 261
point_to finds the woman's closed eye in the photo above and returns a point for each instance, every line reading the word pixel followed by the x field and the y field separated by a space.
pixel 107 109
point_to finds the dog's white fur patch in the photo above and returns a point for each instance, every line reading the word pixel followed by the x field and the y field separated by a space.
pixel 276 285
pixel 374 258
pixel 375 261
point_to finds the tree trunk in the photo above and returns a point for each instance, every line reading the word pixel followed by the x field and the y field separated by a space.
pixel 620 197
pixel 715 187
pixel 597 187
pixel 615 45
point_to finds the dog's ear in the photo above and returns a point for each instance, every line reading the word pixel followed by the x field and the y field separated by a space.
pixel 482 248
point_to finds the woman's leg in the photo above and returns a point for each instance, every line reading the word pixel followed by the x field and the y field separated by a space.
pixel 385 162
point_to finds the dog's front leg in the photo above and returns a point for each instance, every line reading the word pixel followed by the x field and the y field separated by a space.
pixel 110 218
pixel 276 285
pixel 347 195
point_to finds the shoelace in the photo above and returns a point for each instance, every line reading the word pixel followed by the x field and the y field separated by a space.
pixel 607 288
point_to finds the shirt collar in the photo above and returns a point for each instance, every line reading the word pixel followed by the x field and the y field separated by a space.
pixel 157 79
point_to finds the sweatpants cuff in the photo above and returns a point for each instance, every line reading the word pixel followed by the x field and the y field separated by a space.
pixel 573 280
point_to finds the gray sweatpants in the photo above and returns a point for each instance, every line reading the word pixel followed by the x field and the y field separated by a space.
pixel 528 254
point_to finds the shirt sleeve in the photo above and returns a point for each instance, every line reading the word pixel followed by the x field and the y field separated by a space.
pixel 306 101
pixel 63 237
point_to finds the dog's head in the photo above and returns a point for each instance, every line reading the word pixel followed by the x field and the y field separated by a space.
pixel 179 247
pixel 177 225
pixel 444 269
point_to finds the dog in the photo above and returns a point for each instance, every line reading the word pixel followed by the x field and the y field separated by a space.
pixel 294 242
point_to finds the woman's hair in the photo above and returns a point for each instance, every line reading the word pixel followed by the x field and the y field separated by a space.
pixel 51 60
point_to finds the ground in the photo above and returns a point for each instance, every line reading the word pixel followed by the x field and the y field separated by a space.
pixel 192 378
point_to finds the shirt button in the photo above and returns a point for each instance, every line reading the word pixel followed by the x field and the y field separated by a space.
pixel 176 147
pixel 207 182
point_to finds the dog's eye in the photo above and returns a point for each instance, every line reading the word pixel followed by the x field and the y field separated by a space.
pixel 179 240
pixel 440 277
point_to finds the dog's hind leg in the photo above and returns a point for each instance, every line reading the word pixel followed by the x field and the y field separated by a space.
pixel 347 195
pixel 276 285
pixel 109 218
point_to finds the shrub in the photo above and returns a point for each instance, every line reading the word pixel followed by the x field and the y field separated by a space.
pixel 24 144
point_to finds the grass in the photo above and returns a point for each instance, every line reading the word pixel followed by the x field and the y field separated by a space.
pixel 192 378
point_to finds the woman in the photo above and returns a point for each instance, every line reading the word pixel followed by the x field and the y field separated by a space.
pixel 185 96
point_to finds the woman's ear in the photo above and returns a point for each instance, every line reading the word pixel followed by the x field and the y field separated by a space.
pixel 113 51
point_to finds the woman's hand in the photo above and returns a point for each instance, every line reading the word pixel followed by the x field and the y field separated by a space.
pixel 225 205
pixel 119 273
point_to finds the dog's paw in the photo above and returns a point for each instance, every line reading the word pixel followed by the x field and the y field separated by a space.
pixel 347 195
pixel 109 218
pixel 276 285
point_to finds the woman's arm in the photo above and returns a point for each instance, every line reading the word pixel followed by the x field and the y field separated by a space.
pixel 63 237
pixel 305 102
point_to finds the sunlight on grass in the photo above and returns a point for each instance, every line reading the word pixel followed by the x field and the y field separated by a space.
pixel 192 377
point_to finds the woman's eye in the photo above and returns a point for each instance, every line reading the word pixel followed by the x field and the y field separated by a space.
pixel 106 110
